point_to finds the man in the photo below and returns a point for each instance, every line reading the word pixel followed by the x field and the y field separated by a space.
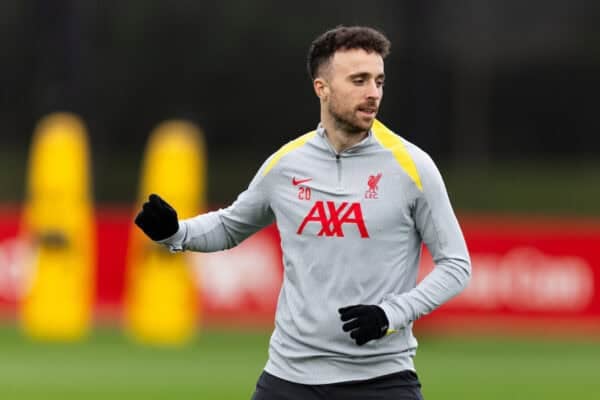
pixel 353 203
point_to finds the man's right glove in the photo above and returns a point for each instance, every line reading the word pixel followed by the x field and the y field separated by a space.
pixel 157 219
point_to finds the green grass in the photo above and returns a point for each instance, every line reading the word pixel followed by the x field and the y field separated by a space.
pixel 225 365
pixel 218 365
pixel 513 369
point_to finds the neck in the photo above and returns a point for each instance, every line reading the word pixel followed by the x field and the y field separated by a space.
pixel 339 138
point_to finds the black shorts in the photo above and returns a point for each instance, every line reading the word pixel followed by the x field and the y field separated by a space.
pixel 403 385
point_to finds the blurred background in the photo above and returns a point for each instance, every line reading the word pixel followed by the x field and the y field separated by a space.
pixel 502 94
pixel 488 88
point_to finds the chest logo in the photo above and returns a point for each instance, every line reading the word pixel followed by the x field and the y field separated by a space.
pixel 297 182
pixel 372 183
pixel 332 218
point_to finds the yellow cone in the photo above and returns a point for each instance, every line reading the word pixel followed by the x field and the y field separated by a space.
pixel 58 221
pixel 161 298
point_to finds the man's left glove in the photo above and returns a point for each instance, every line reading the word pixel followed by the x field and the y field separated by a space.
pixel 157 219
pixel 367 322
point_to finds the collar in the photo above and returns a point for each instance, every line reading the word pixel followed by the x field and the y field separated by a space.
pixel 363 143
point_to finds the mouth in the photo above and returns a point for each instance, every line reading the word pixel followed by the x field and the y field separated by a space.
pixel 368 111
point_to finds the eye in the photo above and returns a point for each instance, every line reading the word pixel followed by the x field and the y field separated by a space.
pixel 380 83
pixel 358 81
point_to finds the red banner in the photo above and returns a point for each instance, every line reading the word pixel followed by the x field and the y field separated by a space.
pixel 539 274
pixel 534 274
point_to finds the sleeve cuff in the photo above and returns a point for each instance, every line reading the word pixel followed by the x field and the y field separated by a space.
pixel 175 242
pixel 397 319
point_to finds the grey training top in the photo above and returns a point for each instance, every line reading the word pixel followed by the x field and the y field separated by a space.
pixel 352 227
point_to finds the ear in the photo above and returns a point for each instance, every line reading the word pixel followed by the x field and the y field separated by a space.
pixel 321 88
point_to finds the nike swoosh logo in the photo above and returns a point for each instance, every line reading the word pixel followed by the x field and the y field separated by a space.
pixel 297 182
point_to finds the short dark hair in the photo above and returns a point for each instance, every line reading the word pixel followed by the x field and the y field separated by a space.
pixel 345 37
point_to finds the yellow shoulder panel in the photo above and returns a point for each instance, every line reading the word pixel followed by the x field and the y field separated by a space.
pixel 286 148
pixel 394 143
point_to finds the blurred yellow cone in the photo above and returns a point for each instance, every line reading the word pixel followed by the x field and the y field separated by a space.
pixel 161 298
pixel 58 220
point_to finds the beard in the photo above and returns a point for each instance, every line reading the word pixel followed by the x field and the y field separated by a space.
pixel 347 121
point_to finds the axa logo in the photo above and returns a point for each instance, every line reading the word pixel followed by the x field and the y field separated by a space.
pixel 373 183
pixel 332 218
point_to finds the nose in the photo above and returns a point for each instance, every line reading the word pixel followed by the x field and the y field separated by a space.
pixel 374 91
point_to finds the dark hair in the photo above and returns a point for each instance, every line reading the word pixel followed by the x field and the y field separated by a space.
pixel 345 37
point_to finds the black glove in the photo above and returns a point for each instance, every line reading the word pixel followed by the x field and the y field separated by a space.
pixel 157 219
pixel 366 322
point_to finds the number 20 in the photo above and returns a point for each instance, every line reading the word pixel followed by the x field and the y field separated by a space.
pixel 304 193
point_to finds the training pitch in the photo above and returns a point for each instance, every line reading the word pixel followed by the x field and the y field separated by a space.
pixel 222 364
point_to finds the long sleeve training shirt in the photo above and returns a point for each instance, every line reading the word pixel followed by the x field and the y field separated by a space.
pixel 352 227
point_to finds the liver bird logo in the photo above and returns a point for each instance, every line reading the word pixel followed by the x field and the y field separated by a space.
pixel 373 183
